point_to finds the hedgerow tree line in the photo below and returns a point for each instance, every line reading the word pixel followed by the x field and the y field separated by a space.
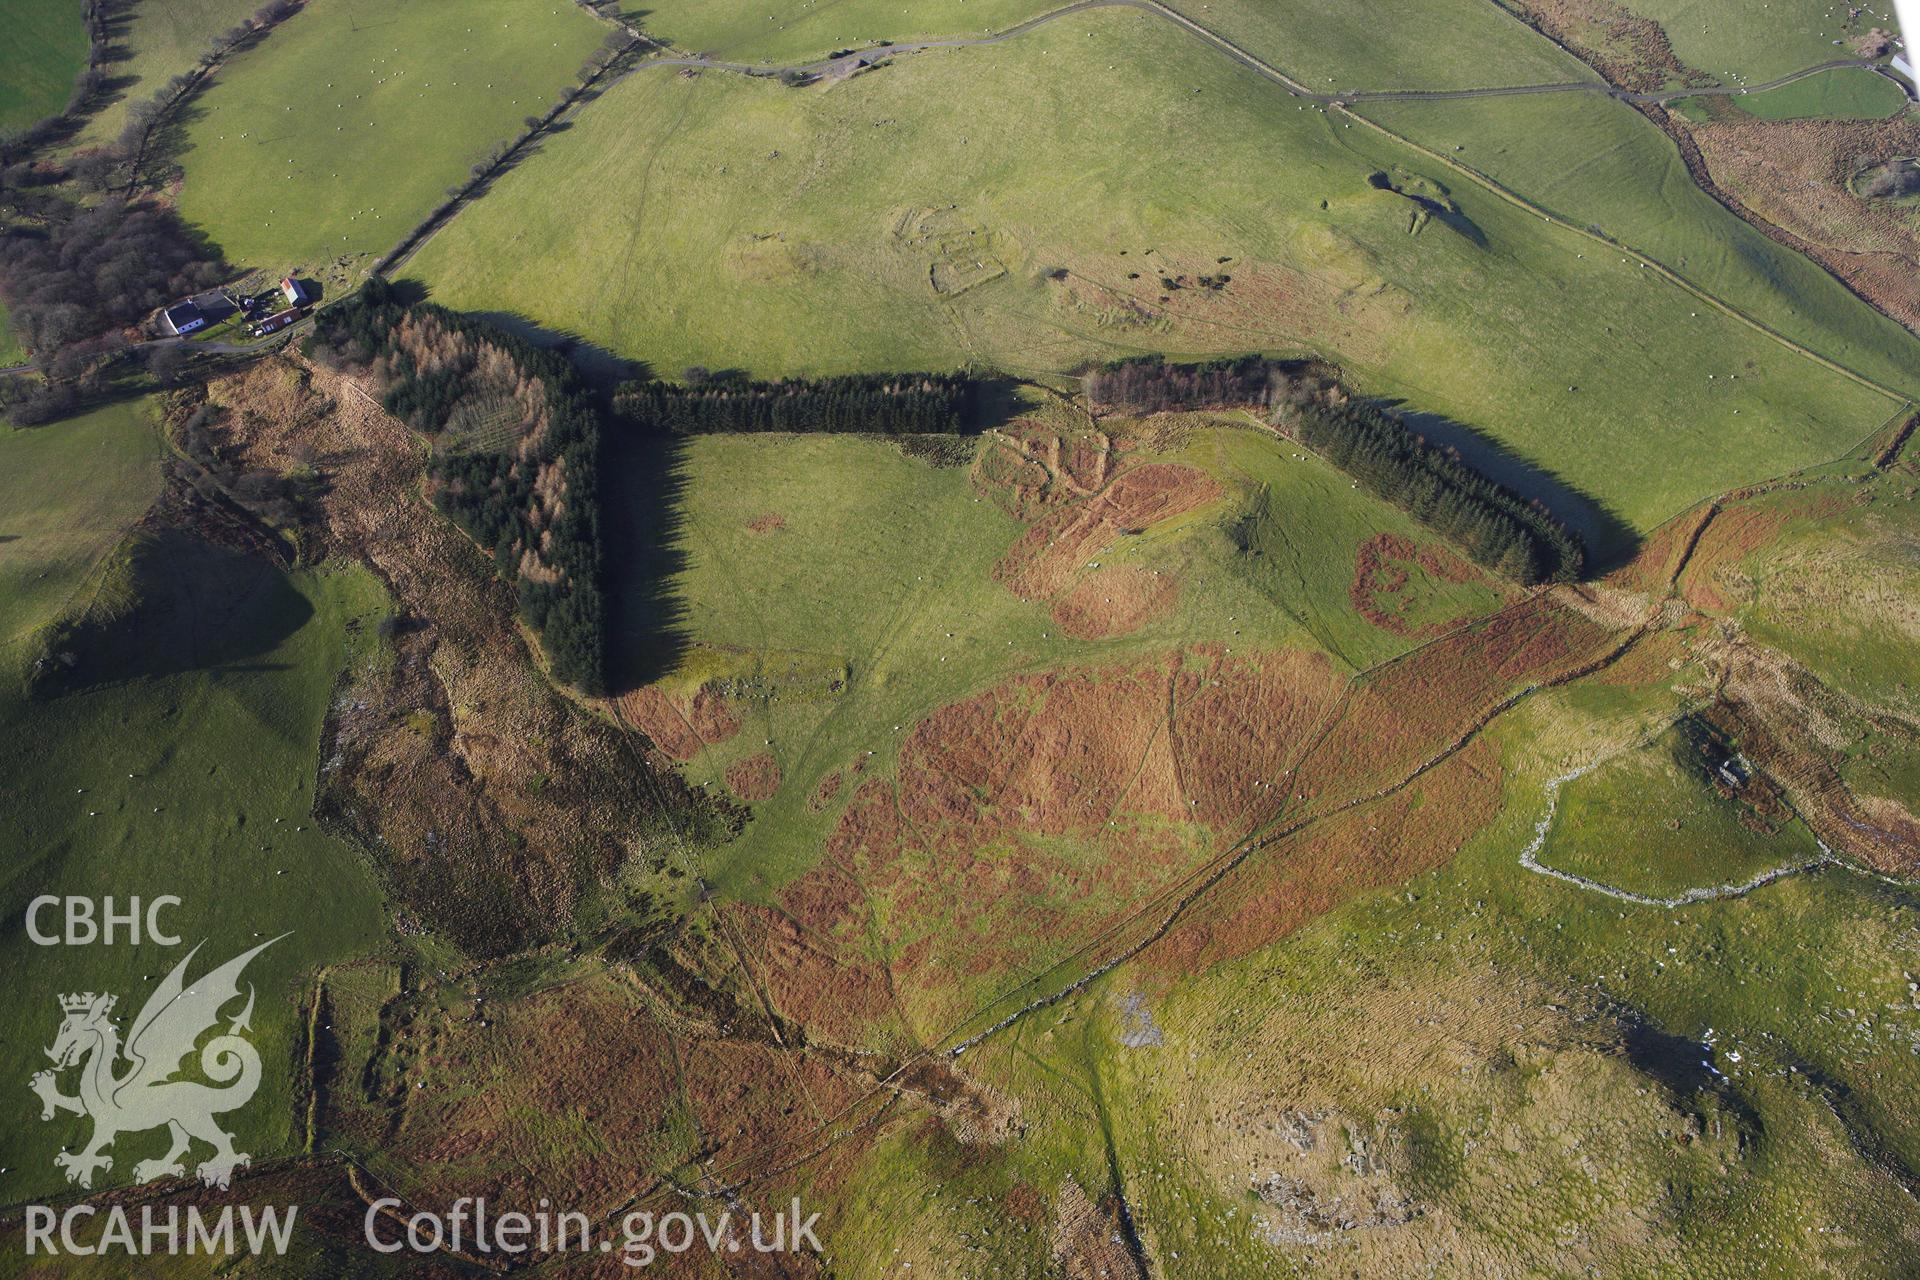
pixel 1149 384
pixel 1496 527
pixel 534 506
pixel 884 404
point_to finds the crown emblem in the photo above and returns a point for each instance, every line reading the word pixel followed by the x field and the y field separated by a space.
pixel 85 1001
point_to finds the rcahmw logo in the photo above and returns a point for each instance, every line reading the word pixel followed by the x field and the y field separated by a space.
pixel 125 1084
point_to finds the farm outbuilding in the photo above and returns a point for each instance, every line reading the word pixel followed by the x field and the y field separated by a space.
pixel 296 293
pixel 275 322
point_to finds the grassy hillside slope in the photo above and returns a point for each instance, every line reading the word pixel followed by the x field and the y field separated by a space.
pixel 859 226
pixel 1602 165
pixel 67 492
pixel 1733 40
pixel 1381 44
pixel 342 129
pixel 44 49
pixel 164 40
pixel 795 31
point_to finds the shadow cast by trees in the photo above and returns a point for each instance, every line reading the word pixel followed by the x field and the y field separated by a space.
pixel 643 527
pixel 1610 541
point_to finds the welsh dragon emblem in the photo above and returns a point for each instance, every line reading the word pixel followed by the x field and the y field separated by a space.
pixel 142 1094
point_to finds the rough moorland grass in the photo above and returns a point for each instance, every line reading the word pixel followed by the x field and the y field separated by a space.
pixel 164 40
pixel 1407 1029
pixel 1736 40
pixel 1401 1033
pixel 1601 164
pixel 44 49
pixel 1847 93
pixel 860 226
pixel 199 784
pixel 341 130
pixel 67 492
pixel 791 31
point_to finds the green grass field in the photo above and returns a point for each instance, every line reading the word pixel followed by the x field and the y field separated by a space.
pixel 932 627
pixel 1848 93
pixel 185 766
pixel 1647 823
pixel 1734 41
pixel 856 226
pixel 332 138
pixel 789 32
pixel 67 492
pixel 1379 44
pixel 165 40
pixel 1601 164
pixel 196 783
pixel 45 48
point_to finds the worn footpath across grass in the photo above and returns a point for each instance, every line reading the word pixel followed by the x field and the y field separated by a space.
pixel 1846 93
pixel 1733 40
pixel 793 31
pixel 856 585
pixel 1482 1066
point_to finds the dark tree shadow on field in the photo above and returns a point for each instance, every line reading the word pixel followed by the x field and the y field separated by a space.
pixel 410 293
pixel 170 140
pixel 996 402
pixel 1610 541
pixel 643 480
pixel 1461 223
pixel 599 368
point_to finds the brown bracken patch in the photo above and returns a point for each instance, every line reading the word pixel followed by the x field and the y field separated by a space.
pixel 1114 601
pixel 767 523
pixel 680 726
pixel 1794 176
pixel 1043 563
pixel 436 760
pixel 1382 576
pixel 1035 814
pixel 1288 884
pixel 756 778
pixel 823 794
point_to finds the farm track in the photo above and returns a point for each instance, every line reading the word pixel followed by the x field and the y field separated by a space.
pixel 847 62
